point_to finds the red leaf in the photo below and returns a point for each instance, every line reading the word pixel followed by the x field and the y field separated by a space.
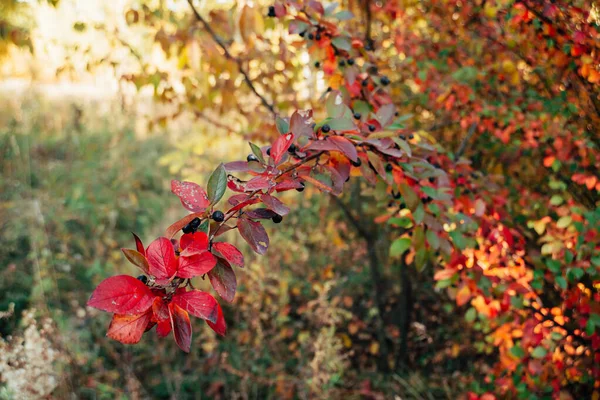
pixel 137 259
pixel 161 258
pixel 275 204
pixel 121 294
pixel 288 184
pixel 237 166
pixel 258 183
pixel 182 327
pixel 280 146
pixel 260 213
pixel 192 243
pixel 128 329
pixel 198 303
pixel 230 253
pixel 177 226
pixel 345 146
pixel 254 233
pixel 160 310
pixel 301 123
pixel 223 280
pixel 195 265
pixel 138 244
pixel 192 196
pixel 220 326
pixel 163 328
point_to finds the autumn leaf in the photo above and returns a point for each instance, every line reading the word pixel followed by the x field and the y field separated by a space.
pixel 223 280
pixel 121 294
pixel 182 327
pixel 229 252
pixel 128 329
pixel 198 303
pixel 161 258
pixel 192 196
pixel 220 327
pixel 254 233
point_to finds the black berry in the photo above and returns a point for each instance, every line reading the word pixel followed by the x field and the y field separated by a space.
pixel 365 82
pixel 318 36
pixel 372 128
pixel 411 136
pixel 251 157
pixel 317 64
pixel 431 179
pixel 329 88
pixel 357 115
pixel 396 195
pixel 302 34
pixel 143 279
pixel 385 80
pixel 271 11
pixel 300 189
pixel 218 216
pixel 269 151
pixel 350 61
pixel 342 63
pixel 277 219
pixel 402 137
pixel 389 168
pixel 325 128
pixel 356 163
pixel 292 149
pixel 192 226
pixel 396 113
pixel 311 36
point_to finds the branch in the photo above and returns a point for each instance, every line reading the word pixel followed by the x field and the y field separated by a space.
pixel 463 144
pixel 229 56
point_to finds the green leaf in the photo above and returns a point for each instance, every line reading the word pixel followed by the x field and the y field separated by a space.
pixel 539 352
pixel 575 274
pixel 361 107
pixel 470 315
pixel 399 246
pixel 282 125
pixel 204 226
pixel 404 146
pixel 590 328
pixel 410 197
pixel 402 222
pixel 554 266
pixel 458 239
pixel 257 152
pixel 563 222
pixel 217 183
pixel 342 43
pixel 419 213
pixel 596 261
pixel 433 239
pixel 561 281
pixel 342 124
pixel 517 351
pixel 556 200
pixel 343 15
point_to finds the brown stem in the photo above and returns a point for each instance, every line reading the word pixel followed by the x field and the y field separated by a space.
pixel 230 56
pixel 378 284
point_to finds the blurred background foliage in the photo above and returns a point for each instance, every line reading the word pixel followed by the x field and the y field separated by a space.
pixel 102 103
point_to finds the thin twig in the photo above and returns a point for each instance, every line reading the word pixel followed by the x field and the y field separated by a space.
pixel 463 144
pixel 229 56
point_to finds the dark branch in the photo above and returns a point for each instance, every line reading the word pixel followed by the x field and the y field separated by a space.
pixel 463 144
pixel 229 56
